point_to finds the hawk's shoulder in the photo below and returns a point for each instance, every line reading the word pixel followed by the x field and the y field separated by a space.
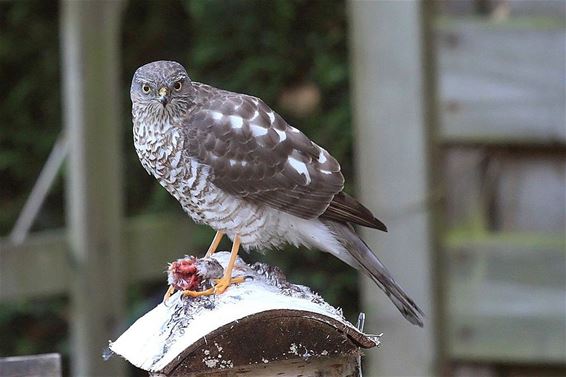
pixel 254 154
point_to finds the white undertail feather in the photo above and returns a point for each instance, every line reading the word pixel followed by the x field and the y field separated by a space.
pixel 367 262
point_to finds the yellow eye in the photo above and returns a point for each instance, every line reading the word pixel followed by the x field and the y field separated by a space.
pixel 178 85
pixel 145 88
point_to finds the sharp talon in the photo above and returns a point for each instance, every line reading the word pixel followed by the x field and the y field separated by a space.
pixel 223 284
pixel 236 280
pixel 219 288
pixel 208 292
pixel 168 294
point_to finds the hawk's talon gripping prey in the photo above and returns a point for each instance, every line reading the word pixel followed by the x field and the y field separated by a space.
pixel 218 288
pixel 186 276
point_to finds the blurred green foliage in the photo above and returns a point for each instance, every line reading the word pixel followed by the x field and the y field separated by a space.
pixel 30 106
pixel 257 47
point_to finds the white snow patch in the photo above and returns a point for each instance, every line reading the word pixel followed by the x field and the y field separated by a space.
pixel 294 349
pixel 143 343
pixel 211 363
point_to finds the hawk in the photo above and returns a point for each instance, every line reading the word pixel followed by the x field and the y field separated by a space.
pixel 236 165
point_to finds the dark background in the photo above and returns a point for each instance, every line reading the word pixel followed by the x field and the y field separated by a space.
pixel 500 77
pixel 270 49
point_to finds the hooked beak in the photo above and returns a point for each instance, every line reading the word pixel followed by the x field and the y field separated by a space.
pixel 163 96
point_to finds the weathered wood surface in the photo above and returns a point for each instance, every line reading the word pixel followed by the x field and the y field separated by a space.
pixel 149 242
pixel 261 325
pixel 505 191
pixel 507 297
pixel 336 366
pixel 274 341
pixel 46 365
pixel 504 128
pixel 94 200
pixel 502 82
pixel 390 111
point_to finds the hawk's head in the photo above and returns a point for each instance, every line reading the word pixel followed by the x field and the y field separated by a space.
pixel 161 88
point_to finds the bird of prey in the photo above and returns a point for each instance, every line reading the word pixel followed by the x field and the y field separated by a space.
pixel 236 165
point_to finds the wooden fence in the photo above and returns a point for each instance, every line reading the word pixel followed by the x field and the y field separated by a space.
pixel 503 116
pixel 503 142
pixel 149 242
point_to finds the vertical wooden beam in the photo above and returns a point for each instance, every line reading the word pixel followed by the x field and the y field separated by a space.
pixel 390 116
pixel 92 96
pixel 436 187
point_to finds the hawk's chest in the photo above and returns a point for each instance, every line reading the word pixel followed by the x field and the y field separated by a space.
pixel 160 150
pixel 162 153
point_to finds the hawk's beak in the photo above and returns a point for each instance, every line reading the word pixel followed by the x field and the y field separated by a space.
pixel 163 96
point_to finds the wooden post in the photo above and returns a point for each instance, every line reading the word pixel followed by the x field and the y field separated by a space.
pixel 92 97
pixel 390 116
pixel 46 365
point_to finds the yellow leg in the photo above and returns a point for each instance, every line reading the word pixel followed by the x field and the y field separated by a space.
pixel 215 242
pixel 223 283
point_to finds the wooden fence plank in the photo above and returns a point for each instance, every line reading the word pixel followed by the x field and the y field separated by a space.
pixel 90 32
pixel 47 365
pixel 150 243
pixel 507 302
pixel 502 82
pixel 390 118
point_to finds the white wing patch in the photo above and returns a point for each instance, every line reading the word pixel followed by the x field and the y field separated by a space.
pixel 236 121
pixel 271 116
pixel 322 156
pixel 257 130
pixel 216 115
pixel 282 134
pixel 300 167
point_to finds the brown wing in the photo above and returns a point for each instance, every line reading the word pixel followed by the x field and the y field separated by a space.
pixel 344 208
pixel 253 153
pixel 256 155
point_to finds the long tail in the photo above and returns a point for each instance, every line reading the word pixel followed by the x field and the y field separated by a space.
pixel 368 263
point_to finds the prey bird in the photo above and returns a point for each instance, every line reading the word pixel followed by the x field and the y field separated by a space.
pixel 236 165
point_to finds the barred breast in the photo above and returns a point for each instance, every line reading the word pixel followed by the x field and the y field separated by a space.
pixel 162 154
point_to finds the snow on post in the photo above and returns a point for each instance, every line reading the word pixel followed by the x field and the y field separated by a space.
pixel 263 326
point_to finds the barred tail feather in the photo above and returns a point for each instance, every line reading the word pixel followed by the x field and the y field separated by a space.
pixel 367 262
